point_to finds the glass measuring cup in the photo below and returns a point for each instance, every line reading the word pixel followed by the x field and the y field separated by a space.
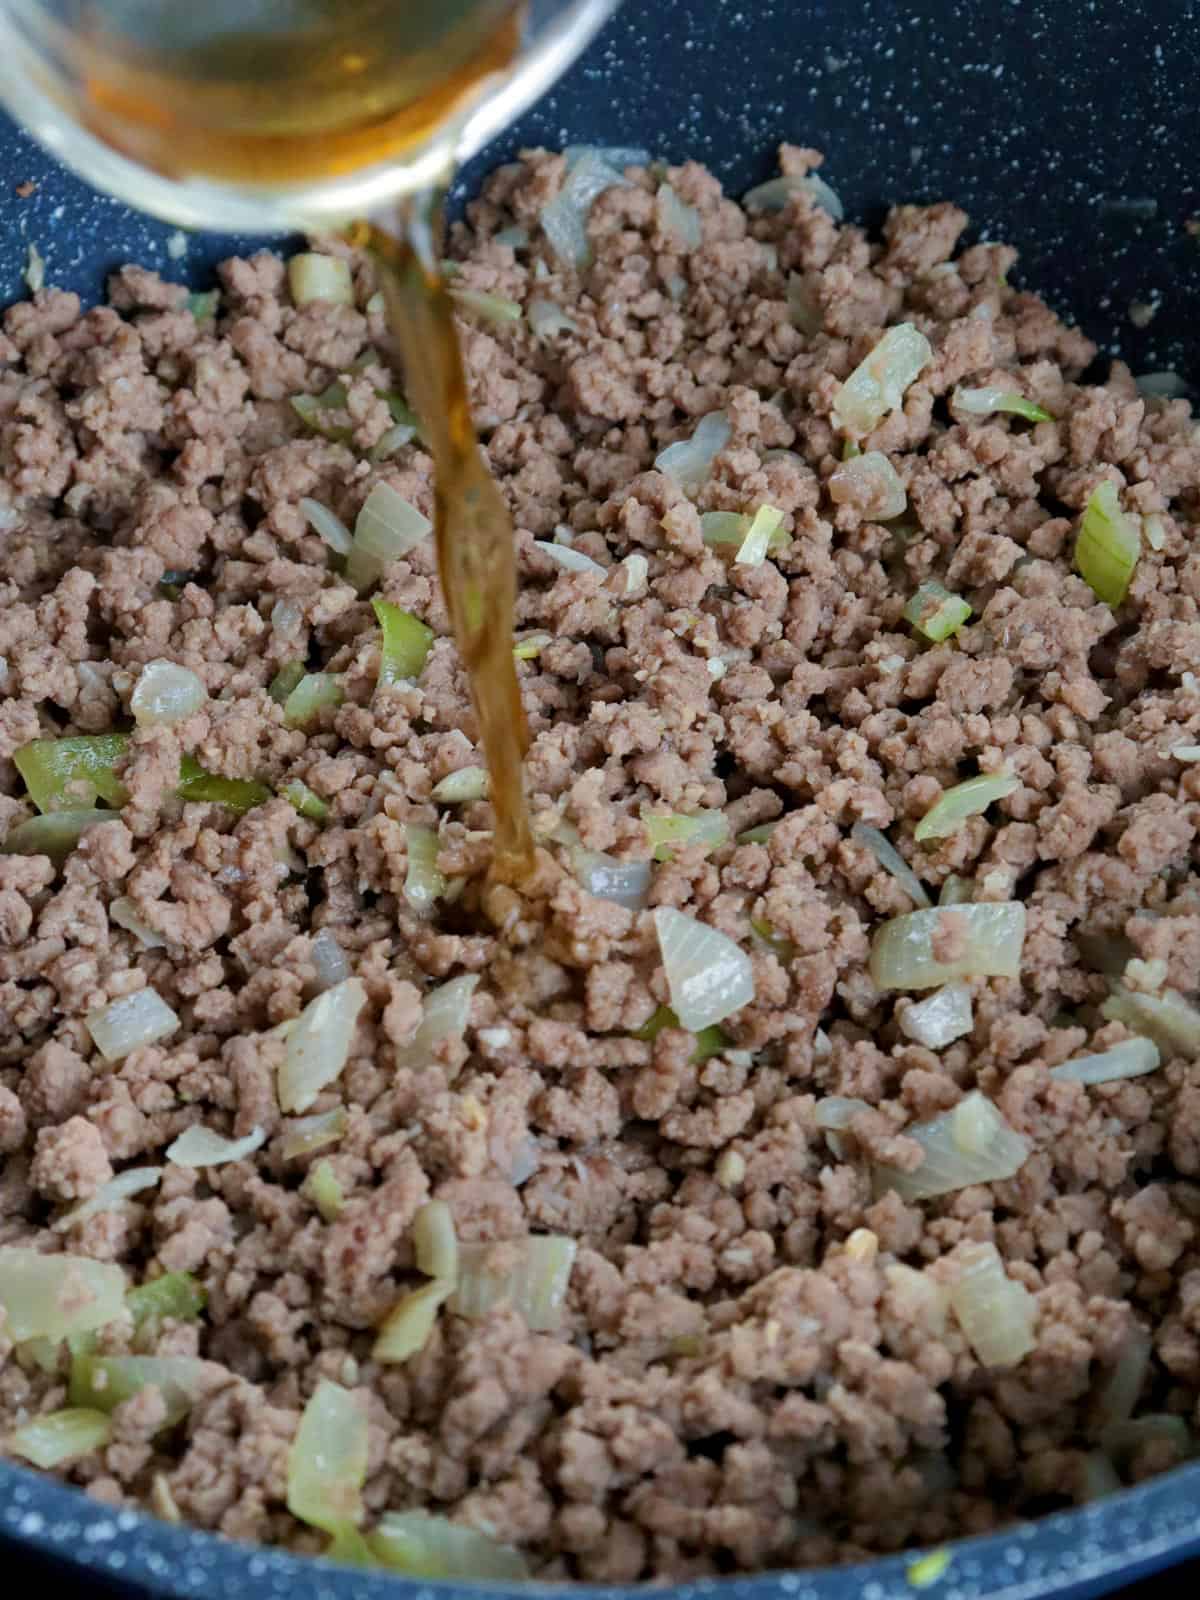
pixel 274 115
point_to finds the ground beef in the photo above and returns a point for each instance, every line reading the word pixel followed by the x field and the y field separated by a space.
pixel 755 1365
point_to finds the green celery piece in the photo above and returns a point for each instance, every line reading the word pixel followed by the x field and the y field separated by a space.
pixel 314 692
pixel 102 1383
pixel 54 833
pixel 285 680
pixel 204 306
pixel 307 803
pixel 1108 546
pixel 936 612
pixel 175 1294
pixel 50 766
pixel 309 408
pixel 406 644
pixel 709 1041
pixel 349 1547
pixel 239 794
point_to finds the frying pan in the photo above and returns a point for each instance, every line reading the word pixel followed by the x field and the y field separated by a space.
pixel 1068 131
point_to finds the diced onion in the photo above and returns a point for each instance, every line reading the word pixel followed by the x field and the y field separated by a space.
pixel 35 269
pixel 423 883
pixel 444 1015
pixel 331 528
pixel 1108 546
pixel 877 385
pixel 198 1146
pixel 1130 1059
pixel 994 1311
pixel 329 959
pixel 1167 1018
pixel 531 1274
pixel 55 835
pixel 492 308
pixel 935 612
pixel 763 832
pixel 625 883
pixel 127 1024
pixel 546 319
pixel 776 192
pixel 165 692
pixel 892 861
pixel 679 218
pixel 531 646
pixel 60 1436
pixel 723 527
pixel 834 1113
pixel 936 1022
pixel 689 461
pixel 327 1463
pixel 424 1546
pixel 318 1044
pixel 985 402
pixel 462 787
pixel 123 913
pixel 109 1195
pixel 764 530
pixel 434 1241
pixel 317 277
pixel 962 801
pixel 564 219
pixel 307 1134
pixel 405 646
pixel 707 828
pixel 51 1297
pixel 1165 385
pixel 389 526
pixel 567 558
pixel 316 692
pixel 325 1191
pixel 174 1294
pixel 105 1382
pixel 874 476
pixel 968 1145
pixel 285 680
pixel 388 442
pixel 409 1323
pixel 708 976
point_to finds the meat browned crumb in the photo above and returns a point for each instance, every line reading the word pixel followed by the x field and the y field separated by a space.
pixel 755 1365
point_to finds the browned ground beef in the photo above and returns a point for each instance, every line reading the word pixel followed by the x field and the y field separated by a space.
pixel 732 1386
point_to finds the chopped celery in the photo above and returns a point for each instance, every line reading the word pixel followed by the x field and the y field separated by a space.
pixel 984 402
pixel 204 306
pixel 307 803
pixel 1108 546
pixel 423 883
pixel 325 1192
pixel 405 646
pixel 707 828
pixel 317 277
pixel 205 788
pixel 175 1294
pixel 311 409
pixel 55 835
pixel 962 801
pixel 105 1382
pixel 758 835
pixel 850 450
pixel 66 774
pixel 327 1463
pixel 709 1041
pixel 407 1327
pixel 285 680
pixel 764 533
pixel 935 612
pixel 316 692
pixel 529 648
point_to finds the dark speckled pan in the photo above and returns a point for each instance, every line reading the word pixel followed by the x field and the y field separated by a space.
pixel 1069 130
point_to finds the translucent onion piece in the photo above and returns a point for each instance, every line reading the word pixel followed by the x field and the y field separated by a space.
pixel 35 269
pixel 55 835
pixel 546 319
pixel 935 612
pixel 619 156
pixel 122 912
pixel 763 832
pixel 995 1313
pixel 1130 1059
pixel 564 219
pixel 307 803
pixel 424 1546
pixel 285 680
pixel 330 528
pixel 1119 1395
pixel 67 774
pixel 329 959
pixel 60 1436
pixel 391 440
pixel 723 527
pixel 1167 1018
pixel 962 801
pixel 956 891
pixel 708 976
pixel 567 558
pixel 318 1044
pixel 872 475
pixel 636 570
pixel 307 1134
pixel 803 310
pixel 312 410
pixel 405 646
pixel 625 883
pixel 877 385
pixel 892 861
pixel 105 1382
pixel 970 1144
pixel 316 692
pixel 165 692
pixel 946 1015
pixel 462 787
pixel 492 308
pixel 409 1323
pixel 435 1242
pixel 423 883
pixel 325 1191
pixel 389 526
pixel 175 1294
pixel 327 1463
pixel 1165 385
pixel 985 402
pixel 764 530
pixel 707 828
pixel 1108 546
pixel 529 648
pixel 109 1195
pixel 679 218
pixel 530 1274
pixel 902 950
pixel 127 1024
pixel 201 1147
pixel 776 192
pixel 316 277
pixel 689 461
pixel 444 1015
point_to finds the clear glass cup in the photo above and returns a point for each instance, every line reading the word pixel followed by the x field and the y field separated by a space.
pixel 272 115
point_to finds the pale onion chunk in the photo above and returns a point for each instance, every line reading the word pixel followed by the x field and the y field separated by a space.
pixel 462 787
pixel 50 1297
pixel 877 385
pixel 201 1147
pixel 1129 1059
pixel 776 192
pixel 56 1437
pixel 870 478
pixel 329 960
pixel 941 1019
pixel 530 1274
pixel 105 1382
pixel 389 526
pixel 444 1015
pixel 1167 1018
pixel 423 882
pixel 708 976
pixel 123 912
pixel 564 219
pixel 331 528
pixel 972 1143
pixel 317 277
pixel 689 461
pixel 165 692
pixel 986 402
pixel 109 1195
pixel 679 218
pixel 546 319
pixel 962 801
pixel 308 1134
pixel 625 883
pixel 892 861
pixel 425 1546
pixel 568 559
pixel 318 1044
pixel 327 1463
pixel 407 1326
pixel 995 1313
pixel 435 1243
pixel 902 950
pixel 127 1024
